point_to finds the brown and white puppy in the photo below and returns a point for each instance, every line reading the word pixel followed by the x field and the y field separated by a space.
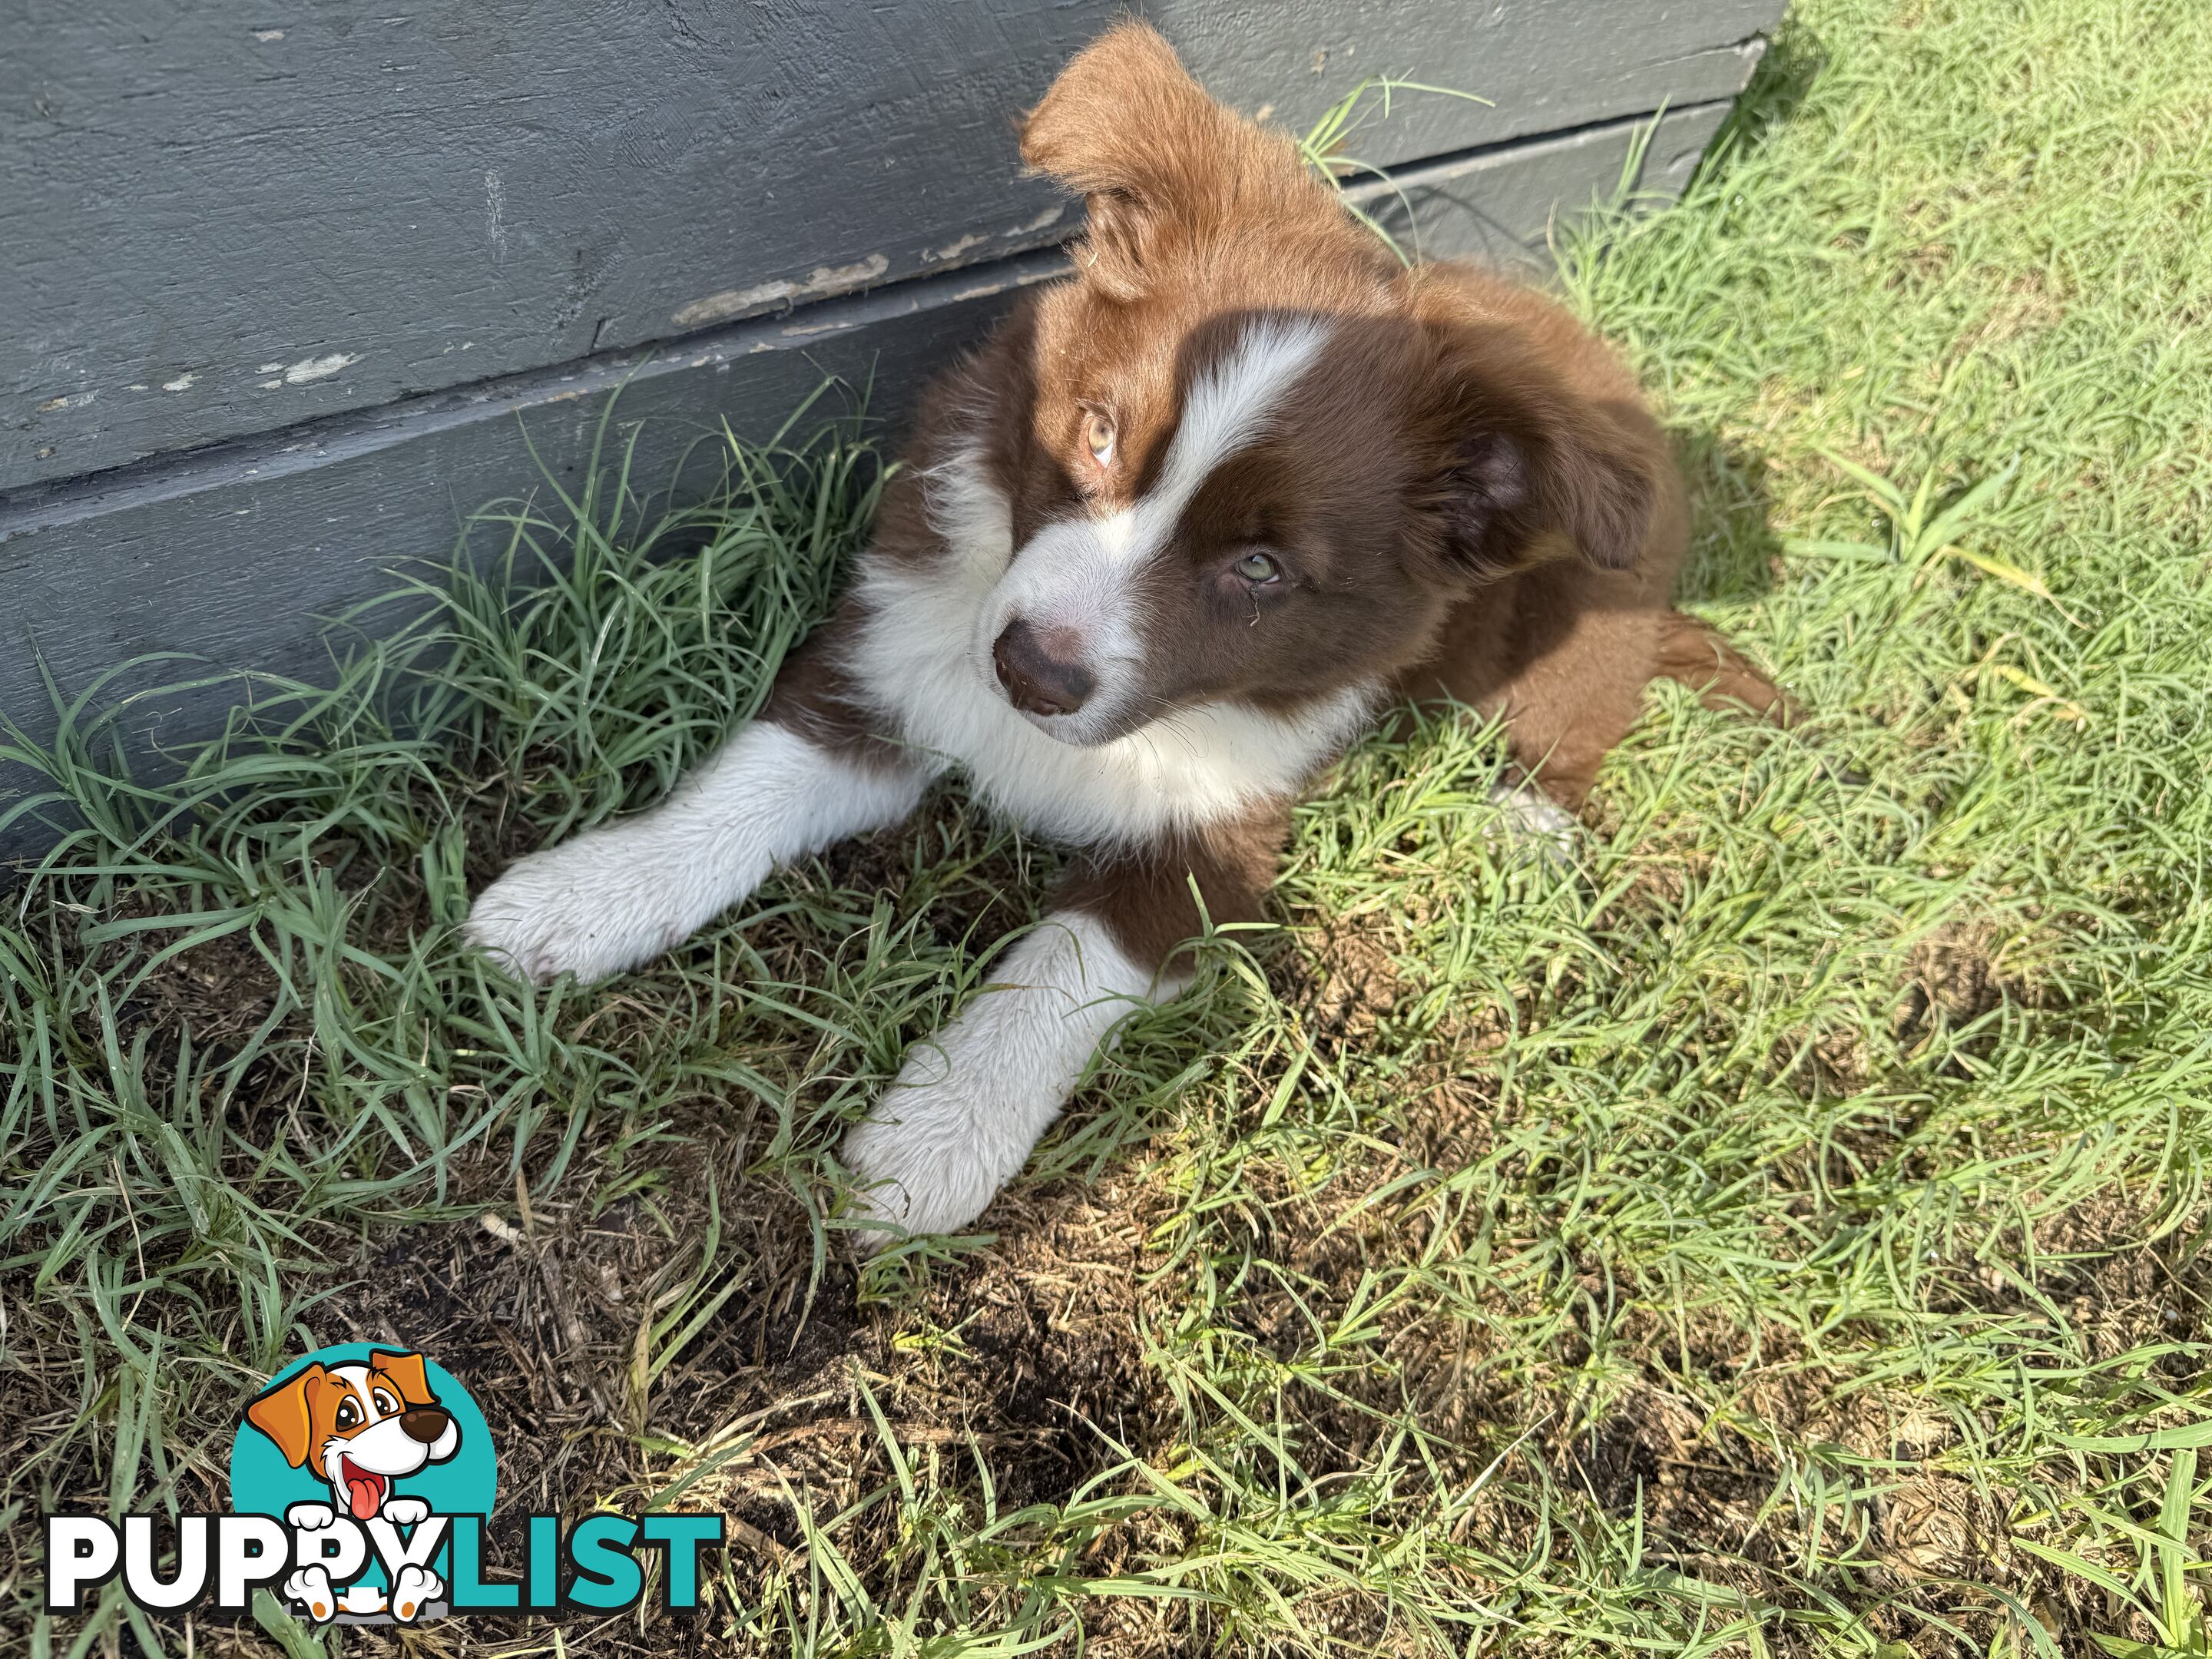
pixel 1163 548
pixel 361 1427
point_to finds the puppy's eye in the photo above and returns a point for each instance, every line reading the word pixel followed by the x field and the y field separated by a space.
pixel 347 1413
pixel 1257 569
pixel 1098 436
pixel 385 1403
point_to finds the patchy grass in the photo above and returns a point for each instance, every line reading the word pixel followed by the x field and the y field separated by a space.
pixel 1779 1233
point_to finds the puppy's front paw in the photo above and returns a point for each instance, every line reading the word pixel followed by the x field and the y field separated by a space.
pixel 968 1107
pixel 309 1589
pixel 406 1511
pixel 413 1590
pixel 310 1518
pixel 925 1162
pixel 592 907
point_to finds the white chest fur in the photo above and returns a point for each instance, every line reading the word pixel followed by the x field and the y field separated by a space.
pixel 916 658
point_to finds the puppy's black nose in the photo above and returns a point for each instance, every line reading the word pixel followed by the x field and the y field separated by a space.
pixel 1043 673
pixel 424 1423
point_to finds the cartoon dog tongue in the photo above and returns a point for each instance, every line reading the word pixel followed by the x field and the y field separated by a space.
pixel 364 1491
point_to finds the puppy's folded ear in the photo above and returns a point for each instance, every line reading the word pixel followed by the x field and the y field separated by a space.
pixel 1528 465
pixel 283 1415
pixel 1599 482
pixel 407 1374
pixel 1156 159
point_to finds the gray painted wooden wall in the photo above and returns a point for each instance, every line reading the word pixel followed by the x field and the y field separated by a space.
pixel 281 279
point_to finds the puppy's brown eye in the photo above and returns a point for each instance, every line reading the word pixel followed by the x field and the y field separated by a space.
pixel 347 1413
pixel 385 1403
pixel 1257 569
pixel 1098 437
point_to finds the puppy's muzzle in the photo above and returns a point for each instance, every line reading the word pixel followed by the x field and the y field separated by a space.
pixel 1043 671
pixel 424 1423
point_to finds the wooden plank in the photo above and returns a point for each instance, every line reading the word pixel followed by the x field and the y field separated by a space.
pixel 1503 204
pixel 225 223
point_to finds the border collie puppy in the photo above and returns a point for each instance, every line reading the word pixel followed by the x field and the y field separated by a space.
pixel 1191 520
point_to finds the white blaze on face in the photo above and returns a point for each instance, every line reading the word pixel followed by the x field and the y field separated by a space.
pixel 1081 575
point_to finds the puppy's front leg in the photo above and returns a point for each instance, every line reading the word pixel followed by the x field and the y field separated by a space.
pixel 804 775
pixel 969 1104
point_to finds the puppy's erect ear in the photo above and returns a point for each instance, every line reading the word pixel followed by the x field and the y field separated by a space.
pixel 1528 463
pixel 407 1375
pixel 1156 158
pixel 283 1413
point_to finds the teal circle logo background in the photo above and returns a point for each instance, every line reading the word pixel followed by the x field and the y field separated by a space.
pixel 263 1483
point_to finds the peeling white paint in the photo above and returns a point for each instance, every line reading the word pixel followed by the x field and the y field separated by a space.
pixel 1051 215
pixel 182 383
pixel 824 279
pixel 136 385
pixel 270 368
pixel 320 368
pixel 954 250
pixel 733 301
pixel 271 385
pixel 266 35
pixel 495 213
pixel 77 401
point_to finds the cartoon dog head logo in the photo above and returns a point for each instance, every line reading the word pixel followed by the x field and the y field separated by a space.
pixel 361 1427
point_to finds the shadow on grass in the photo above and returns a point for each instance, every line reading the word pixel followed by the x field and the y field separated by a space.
pixel 1735 556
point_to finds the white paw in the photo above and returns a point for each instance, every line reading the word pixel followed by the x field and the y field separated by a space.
pixel 923 1162
pixel 413 1589
pixel 309 1589
pixel 592 907
pixel 406 1511
pixel 968 1106
pixel 1531 818
pixel 310 1518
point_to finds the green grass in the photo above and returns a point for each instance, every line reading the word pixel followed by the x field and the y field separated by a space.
pixel 1781 1232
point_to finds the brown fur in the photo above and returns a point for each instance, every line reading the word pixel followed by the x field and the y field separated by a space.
pixel 1146 897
